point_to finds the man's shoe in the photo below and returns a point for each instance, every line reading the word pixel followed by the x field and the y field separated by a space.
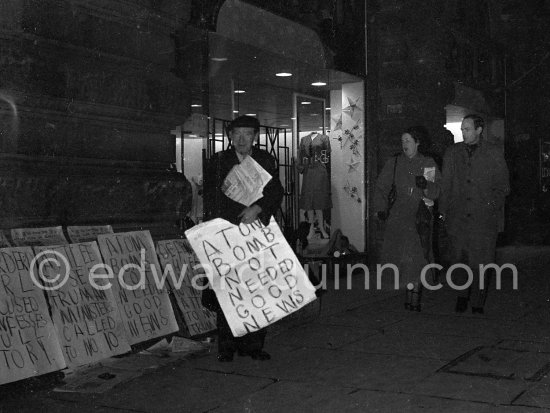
pixel 225 357
pixel 461 304
pixel 260 355
pixel 478 310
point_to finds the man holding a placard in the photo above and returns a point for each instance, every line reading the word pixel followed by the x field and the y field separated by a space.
pixel 241 185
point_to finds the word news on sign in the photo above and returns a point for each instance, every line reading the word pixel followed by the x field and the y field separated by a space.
pixel 253 271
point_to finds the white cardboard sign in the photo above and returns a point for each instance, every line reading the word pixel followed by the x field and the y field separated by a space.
pixel 178 256
pixel 28 342
pixel 31 237
pixel 86 318
pixel 143 302
pixel 256 276
pixel 87 233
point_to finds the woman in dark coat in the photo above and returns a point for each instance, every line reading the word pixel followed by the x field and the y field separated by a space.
pixel 416 178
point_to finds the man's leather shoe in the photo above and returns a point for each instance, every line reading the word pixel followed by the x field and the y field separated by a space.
pixel 225 357
pixel 478 310
pixel 461 304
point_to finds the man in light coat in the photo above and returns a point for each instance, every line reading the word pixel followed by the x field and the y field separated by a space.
pixel 474 187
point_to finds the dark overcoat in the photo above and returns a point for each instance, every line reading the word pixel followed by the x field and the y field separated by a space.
pixel 218 205
pixel 474 189
pixel 401 245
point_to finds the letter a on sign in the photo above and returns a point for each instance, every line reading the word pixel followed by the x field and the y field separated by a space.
pixel 256 276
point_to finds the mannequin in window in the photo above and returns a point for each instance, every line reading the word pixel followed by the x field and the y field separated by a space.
pixel 313 163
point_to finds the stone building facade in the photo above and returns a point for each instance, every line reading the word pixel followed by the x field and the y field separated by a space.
pixel 88 92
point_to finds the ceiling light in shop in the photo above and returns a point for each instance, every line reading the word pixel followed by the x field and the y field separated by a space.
pixel 218 59
pixel 318 84
pixel 250 114
pixel 235 111
pixel 239 91
pixel 293 118
pixel 196 105
pixel 283 74
pixel 327 108
pixel 306 102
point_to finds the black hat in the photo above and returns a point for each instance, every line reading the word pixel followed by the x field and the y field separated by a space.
pixel 244 122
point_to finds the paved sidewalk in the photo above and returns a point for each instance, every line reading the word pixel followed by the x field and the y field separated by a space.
pixel 361 352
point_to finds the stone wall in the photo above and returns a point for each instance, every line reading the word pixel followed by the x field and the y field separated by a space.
pixel 88 96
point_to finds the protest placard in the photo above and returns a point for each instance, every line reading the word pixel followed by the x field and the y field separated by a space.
pixel 183 271
pixel 85 315
pixel 4 242
pixel 140 293
pixel 27 342
pixel 254 272
pixel 87 233
pixel 31 237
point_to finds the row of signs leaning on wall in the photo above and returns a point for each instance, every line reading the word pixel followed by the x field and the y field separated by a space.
pixel 71 304
pixel 53 314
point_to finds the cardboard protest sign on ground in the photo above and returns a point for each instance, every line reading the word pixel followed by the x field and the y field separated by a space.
pixel 28 343
pixel 141 296
pixel 254 272
pixel 31 237
pixel 4 243
pixel 178 258
pixel 87 233
pixel 84 312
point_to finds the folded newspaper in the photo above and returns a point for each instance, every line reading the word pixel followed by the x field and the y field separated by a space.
pixel 245 182
pixel 429 174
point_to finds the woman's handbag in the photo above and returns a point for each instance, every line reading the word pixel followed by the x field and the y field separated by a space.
pixel 392 194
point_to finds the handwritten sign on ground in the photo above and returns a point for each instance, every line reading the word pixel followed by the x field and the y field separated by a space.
pixel 183 271
pixel 31 237
pixel 28 344
pixel 85 314
pixel 254 272
pixel 87 233
pixel 4 242
pixel 141 296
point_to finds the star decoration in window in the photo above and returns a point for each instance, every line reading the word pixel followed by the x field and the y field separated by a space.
pixel 353 164
pixel 338 125
pixel 350 110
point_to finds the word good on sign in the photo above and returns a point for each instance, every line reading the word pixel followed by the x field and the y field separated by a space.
pixel 254 272
pixel 134 273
